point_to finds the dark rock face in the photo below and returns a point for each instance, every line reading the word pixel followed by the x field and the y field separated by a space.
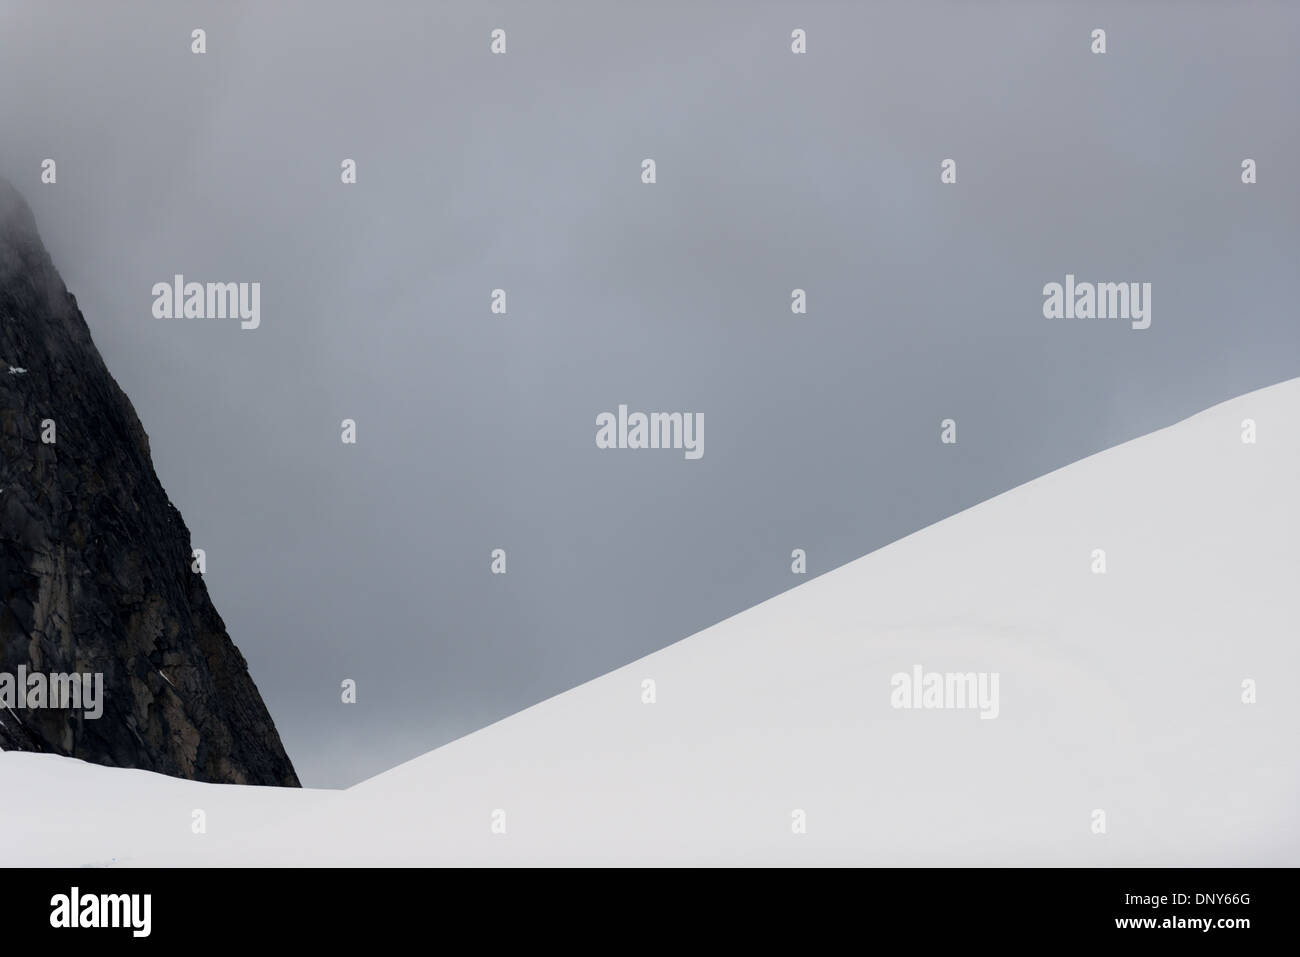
pixel 95 561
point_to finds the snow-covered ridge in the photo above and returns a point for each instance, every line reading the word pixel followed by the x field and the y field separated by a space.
pixel 1119 692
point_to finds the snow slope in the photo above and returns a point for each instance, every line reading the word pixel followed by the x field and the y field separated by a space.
pixel 1120 692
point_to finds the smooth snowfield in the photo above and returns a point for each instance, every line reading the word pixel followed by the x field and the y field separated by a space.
pixel 1119 691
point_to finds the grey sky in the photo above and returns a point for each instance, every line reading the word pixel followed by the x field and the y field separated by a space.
pixel 523 172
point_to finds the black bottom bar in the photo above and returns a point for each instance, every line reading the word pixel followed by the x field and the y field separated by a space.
pixel 659 908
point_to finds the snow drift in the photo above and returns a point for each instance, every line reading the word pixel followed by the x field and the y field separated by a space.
pixel 1119 692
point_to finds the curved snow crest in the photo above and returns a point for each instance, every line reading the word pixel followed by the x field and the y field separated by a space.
pixel 1120 692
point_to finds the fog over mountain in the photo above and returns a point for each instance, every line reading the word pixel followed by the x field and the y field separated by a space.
pixel 477 431
pixel 110 649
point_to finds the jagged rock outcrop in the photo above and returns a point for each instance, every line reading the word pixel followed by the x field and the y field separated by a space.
pixel 95 561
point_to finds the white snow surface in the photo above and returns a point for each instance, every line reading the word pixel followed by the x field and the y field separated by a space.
pixel 1120 692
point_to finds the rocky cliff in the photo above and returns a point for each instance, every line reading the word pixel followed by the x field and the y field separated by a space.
pixel 95 561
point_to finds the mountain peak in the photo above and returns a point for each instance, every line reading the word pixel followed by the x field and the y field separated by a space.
pixel 15 215
pixel 98 599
